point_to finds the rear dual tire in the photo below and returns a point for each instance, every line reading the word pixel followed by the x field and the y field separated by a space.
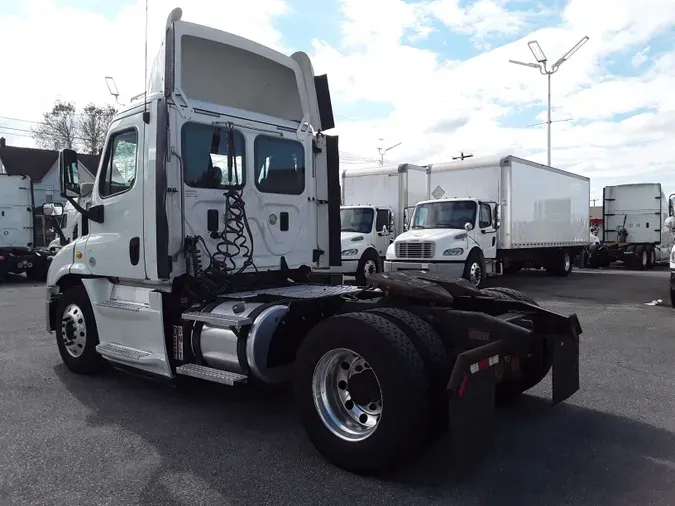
pixel 381 367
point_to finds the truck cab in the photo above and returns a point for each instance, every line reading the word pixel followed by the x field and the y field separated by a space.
pixel 365 235
pixel 456 237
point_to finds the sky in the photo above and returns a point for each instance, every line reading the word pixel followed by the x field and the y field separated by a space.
pixel 432 75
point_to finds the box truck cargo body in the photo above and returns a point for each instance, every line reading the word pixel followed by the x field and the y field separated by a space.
pixel 373 213
pixel 634 231
pixel 494 215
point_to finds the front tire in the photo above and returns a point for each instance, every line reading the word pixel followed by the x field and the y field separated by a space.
pixel 76 332
pixel 362 392
pixel 474 268
pixel 369 264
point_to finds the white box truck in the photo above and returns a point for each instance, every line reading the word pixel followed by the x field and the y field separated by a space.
pixel 634 232
pixel 21 230
pixel 495 215
pixel 372 214
pixel 184 272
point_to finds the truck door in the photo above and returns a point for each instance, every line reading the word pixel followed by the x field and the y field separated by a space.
pixel 381 239
pixel 487 234
pixel 115 247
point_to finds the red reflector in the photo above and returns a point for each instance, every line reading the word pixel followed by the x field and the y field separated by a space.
pixel 515 362
pixel 462 386
pixel 2 258
pixel 483 364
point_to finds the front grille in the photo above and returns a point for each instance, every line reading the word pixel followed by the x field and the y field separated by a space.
pixel 415 249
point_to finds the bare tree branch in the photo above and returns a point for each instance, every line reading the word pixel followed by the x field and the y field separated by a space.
pixel 58 129
pixel 93 125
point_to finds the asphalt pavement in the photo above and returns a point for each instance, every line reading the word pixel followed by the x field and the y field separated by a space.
pixel 118 439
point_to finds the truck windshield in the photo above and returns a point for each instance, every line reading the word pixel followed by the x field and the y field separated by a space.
pixel 444 214
pixel 205 157
pixel 356 220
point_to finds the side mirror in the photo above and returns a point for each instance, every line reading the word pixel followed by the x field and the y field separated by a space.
pixel 496 222
pixel 69 173
pixel 468 227
pixel 385 230
pixel 52 209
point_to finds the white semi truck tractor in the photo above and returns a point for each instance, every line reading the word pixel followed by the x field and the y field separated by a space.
pixel 633 227
pixel 215 198
pixel 494 215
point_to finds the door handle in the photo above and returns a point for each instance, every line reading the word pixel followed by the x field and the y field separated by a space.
pixel 134 250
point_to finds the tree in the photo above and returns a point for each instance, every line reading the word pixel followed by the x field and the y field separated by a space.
pixel 58 129
pixel 93 125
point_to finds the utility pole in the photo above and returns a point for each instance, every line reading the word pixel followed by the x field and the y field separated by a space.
pixel 541 66
pixel 383 151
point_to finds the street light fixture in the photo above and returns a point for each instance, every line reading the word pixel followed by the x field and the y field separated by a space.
pixel 541 66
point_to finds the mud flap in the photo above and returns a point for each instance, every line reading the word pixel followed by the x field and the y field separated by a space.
pixel 472 419
pixel 566 364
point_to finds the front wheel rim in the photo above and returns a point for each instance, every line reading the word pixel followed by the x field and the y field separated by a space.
pixel 475 273
pixel 369 268
pixel 74 330
pixel 568 262
pixel 348 403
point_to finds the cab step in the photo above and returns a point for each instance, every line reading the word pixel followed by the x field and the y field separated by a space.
pixel 217 319
pixel 210 374
pixel 127 355
pixel 123 305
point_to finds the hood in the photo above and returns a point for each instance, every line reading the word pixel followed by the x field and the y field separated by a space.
pixel 429 234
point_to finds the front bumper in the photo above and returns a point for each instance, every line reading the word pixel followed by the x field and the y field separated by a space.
pixel 451 269
pixel 672 280
pixel 50 301
pixel 347 267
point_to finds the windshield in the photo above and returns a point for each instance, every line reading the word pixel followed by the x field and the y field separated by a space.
pixel 444 214
pixel 356 220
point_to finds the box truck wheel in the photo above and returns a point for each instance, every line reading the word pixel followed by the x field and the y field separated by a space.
pixel 559 263
pixel 641 257
pixel 76 332
pixel 474 268
pixel 349 370
pixel 369 264
pixel 651 256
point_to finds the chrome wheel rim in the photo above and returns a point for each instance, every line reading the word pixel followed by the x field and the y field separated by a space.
pixel 74 330
pixel 644 257
pixel 369 268
pixel 568 262
pixel 475 273
pixel 347 395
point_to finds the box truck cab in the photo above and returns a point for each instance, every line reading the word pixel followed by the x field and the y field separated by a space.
pixel 448 236
pixel 365 235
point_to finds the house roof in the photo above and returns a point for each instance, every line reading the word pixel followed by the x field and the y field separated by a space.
pixel 35 163
pixel 90 162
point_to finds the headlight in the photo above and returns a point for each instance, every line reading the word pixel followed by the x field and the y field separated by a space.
pixel 358 238
pixel 350 252
pixel 453 252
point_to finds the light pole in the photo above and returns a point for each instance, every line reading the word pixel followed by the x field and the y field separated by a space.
pixel 541 66
pixel 382 150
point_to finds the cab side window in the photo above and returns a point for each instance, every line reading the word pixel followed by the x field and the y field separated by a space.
pixel 120 165
pixel 485 219
pixel 382 219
